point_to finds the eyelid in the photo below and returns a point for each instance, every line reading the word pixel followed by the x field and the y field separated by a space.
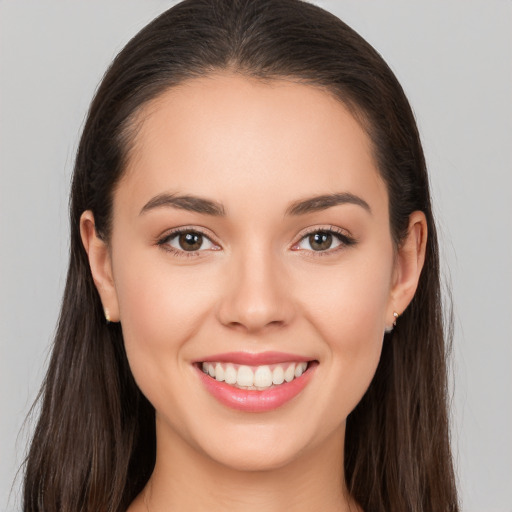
pixel 163 240
pixel 342 235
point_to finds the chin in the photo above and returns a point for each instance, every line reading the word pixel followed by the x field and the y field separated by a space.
pixel 252 457
pixel 258 448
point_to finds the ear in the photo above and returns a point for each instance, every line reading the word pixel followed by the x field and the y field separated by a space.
pixel 408 265
pixel 101 266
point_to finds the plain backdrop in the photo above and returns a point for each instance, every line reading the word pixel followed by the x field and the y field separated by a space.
pixel 454 60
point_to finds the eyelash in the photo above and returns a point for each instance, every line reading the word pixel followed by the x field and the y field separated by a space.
pixel 163 242
pixel 344 239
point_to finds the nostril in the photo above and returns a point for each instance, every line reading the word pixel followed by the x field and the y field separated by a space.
pixel 256 298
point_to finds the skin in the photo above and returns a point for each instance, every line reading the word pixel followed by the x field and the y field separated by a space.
pixel 256 148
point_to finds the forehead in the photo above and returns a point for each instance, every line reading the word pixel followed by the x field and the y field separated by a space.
pixel 228 133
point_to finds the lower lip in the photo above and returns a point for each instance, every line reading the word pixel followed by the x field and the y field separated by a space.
pixel 249 400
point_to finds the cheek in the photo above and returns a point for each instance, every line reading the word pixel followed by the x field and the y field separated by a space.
pixel 160 310
pixel 349 314
pixel 349 302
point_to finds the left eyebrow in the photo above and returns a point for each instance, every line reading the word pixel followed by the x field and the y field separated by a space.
pixel 185 202
pixel 322 202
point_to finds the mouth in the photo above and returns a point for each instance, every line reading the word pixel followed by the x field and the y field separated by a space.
pixel 255 383
pixel 255 378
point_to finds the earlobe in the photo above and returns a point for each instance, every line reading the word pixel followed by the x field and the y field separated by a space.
pixel 101 266
pixel 409 264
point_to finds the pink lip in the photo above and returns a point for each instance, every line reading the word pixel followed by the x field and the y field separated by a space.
pixel 253 400
pixel 251 359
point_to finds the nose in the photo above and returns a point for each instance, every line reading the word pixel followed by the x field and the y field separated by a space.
pixel 257 295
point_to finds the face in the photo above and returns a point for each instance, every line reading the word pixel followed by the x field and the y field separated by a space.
pixel 251 243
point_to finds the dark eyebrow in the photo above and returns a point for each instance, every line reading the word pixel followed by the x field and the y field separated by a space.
pixel 322 202
pixel 186 202
pixel 209 207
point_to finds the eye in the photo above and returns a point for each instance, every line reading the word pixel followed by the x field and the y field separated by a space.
pixel 323 240
pixel 189 241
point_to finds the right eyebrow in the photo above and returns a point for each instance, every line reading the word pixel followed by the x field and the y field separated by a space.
pixel 185 202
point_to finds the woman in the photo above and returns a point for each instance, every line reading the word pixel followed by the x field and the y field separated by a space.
pixel 252 315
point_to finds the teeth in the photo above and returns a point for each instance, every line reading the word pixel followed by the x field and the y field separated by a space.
pixel 289 373
pixel 258 377
pixel 230 374
pixel 219 372
pixel 263 377
pixel 299 369
pixel 245 377
pixel 278 375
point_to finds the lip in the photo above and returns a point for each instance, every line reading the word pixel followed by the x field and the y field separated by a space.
pixel 254 359
pixel 253 400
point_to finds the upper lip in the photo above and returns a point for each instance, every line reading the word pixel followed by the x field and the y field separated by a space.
pixel 254 359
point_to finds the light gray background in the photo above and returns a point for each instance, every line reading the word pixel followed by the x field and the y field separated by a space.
pixel 453 59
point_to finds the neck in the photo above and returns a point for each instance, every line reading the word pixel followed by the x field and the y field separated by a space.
pixel 185 479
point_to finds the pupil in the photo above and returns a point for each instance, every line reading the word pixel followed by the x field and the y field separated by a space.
pixel 191 241
pixel 320 241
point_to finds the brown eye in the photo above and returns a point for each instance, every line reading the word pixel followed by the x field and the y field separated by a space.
pixel 323 241
pixel 190 241
pixel 320 241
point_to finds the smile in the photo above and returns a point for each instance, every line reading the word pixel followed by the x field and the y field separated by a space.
pixel 255 382
pixel 254 377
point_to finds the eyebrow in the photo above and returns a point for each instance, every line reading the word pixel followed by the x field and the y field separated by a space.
pixel 322 202
pixel 186 202
pixel 209 207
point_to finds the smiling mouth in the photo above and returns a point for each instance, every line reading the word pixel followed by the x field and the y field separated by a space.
pixel 257 378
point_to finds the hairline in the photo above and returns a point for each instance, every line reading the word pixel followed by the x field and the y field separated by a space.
pixel 134 122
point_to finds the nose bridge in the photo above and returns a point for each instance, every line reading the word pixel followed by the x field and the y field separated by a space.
pixel 256 295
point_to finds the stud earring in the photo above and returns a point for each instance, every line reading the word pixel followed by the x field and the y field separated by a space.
pixel 387 330
pixel 107 316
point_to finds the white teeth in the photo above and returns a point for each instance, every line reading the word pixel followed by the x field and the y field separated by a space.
pixel 278 375
pixel 299 370
pixel 289 373
pixel 245 376
pixel 263 377
pixel 219 372
pixel 259 377
pixel 230 374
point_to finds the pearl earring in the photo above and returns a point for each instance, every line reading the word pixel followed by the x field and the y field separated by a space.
pixel 387 330
pixel 107 316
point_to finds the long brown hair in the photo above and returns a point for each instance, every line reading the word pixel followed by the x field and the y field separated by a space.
pixel 94 445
